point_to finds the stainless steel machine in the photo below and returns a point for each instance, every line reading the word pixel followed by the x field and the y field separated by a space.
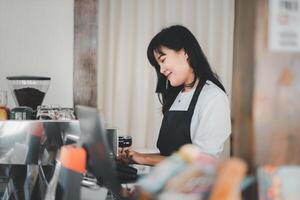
pixel 28 150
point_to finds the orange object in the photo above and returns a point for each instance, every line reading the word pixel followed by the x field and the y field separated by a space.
pixel 3 113
pixel 227 186
pixel 73 158
pixel 37 129
pixel 3 103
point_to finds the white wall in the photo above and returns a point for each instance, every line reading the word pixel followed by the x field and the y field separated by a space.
pixel 36 38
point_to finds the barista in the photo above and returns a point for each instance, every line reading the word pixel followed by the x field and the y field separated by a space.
pixel 195 106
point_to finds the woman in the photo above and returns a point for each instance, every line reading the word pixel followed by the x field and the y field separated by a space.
pixel 194 104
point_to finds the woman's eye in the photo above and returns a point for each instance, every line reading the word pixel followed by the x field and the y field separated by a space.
pixel 163 60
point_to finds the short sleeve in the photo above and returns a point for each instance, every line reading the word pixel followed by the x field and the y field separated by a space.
pixel 211 124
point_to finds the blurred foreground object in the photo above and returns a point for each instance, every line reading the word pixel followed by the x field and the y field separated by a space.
pixel 282 182
pixel 191 174
pixel 67 178
pixel 227 185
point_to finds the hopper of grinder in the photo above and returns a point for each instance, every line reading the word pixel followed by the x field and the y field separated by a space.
pixel 28 90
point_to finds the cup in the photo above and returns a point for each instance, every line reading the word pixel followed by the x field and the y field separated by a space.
pixel 125 141
pixel 3 98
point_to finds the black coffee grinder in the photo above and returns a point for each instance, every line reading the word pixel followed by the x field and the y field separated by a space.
pixel 28 93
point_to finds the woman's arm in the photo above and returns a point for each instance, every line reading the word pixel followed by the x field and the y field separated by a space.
pixel 145 158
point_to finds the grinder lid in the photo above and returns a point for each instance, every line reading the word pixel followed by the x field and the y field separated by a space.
pixel 27 78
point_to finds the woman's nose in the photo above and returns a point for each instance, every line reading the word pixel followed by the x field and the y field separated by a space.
pixel 162 69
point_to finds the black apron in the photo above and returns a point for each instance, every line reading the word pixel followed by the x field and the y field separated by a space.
pixel 175 128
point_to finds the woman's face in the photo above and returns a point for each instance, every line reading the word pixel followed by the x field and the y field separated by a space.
pixel 174 66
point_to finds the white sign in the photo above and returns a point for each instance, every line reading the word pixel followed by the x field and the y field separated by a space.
pixel 284 25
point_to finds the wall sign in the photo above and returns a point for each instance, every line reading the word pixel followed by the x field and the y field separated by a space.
pixel 284 25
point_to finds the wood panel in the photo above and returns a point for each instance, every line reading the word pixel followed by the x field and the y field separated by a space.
pixel 266 91
pixel 243 80
pixel 85 52
pixel 276 99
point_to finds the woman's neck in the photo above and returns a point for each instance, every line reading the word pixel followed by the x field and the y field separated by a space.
pixel 190 86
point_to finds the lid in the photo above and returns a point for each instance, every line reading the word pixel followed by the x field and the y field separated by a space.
pixel 27 78
pixel 21 109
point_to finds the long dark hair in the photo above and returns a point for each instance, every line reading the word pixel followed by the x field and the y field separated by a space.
pixel 176 38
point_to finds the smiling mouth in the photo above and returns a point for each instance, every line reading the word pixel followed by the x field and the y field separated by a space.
pixel 168 75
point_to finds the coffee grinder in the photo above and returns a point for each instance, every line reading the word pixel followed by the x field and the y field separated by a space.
pixel 28 93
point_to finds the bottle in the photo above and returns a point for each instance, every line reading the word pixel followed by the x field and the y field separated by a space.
pixel 3 102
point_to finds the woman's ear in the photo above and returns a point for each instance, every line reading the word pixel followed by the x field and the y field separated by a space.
pixel 186 55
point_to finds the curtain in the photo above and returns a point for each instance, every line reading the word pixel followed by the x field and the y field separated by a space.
pixel 126 81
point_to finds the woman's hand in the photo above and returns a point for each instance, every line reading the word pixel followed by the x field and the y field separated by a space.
pixel 136 157
pixel 123 154
pixel 128 155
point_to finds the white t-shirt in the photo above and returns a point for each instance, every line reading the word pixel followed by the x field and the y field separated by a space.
pixel 211 124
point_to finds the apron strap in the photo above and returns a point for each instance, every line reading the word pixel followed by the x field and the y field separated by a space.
pixel 195 96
